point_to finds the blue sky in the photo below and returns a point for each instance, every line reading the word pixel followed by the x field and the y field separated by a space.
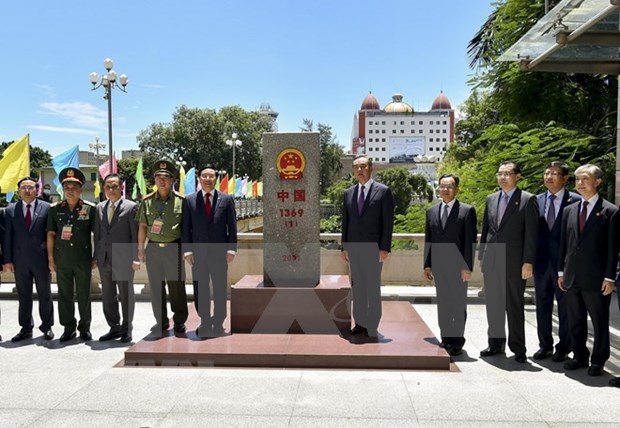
pixel 307 59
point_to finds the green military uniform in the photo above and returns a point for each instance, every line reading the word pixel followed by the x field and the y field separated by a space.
pixel 164 260
pixel 73 255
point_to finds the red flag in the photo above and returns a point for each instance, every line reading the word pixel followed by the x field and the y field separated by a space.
pixel 104 169
pixel 255 188
pixel 224 184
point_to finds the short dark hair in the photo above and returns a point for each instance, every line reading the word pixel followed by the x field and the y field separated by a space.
pixel 28 178
pixel 559 165
pixel 207 166
pixel 452 176
pixel 113 175
pixel 516 168
pixel 369 159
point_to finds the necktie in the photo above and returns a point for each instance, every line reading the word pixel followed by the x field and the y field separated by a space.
pixel 583 216
pixel 360 201
pixel 503 204
pixel 208 205
pixel 28 217
pixel 444 216
pixel 111 212
pixel 551 211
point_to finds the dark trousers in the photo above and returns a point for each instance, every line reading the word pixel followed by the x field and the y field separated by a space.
pixel 115 288
pixel 546 285
pixel 24 277
pixel 580 304
pixel 504 296
pixel 165 265
pixel 365 283
pixel 210 263
pixel 76 275
pixel 451 305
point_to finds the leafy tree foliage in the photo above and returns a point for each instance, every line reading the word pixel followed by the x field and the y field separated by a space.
pixel 199 137
pixel 405 187
pixel 331 152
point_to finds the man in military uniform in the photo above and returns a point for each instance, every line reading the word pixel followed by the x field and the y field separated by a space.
pixel 159 217
pixel 69 249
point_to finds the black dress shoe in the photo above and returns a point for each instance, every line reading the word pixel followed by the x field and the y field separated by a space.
pixel 541 354
pixel 443 344
pixel 126 338
pixel 615 382
pixel 595 370
pixel 86 336
pixel 573 364
pixel 179 328
pixel 22 335
pixel 521 358
pixel 111 335
pixel 68 335
pixel 358 329
pixel 453 351
pixel 48 335
pixel 490 351
pixel 559 356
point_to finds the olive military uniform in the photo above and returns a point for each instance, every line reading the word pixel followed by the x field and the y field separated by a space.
pixel 164 259
pixel 73 258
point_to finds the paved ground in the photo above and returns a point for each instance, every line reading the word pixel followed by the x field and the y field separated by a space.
pixel 44 384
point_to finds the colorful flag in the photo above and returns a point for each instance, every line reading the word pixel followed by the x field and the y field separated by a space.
pixel 40 184
pixel 15 164
pixel 255 188
pixel 124 189
pixel 259 189
pixel 70 158
pixel 231 187
pixel 224 185
pixel 181 180
pixel 97 189
pixel 140 185
pixel 238 187
pixel 104 168
pixel 244 187
pixel 190 181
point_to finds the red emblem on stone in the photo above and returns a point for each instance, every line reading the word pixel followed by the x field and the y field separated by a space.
pixel 291 164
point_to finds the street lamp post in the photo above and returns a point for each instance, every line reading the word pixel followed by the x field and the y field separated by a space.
pixel 234 143
pixel 109 81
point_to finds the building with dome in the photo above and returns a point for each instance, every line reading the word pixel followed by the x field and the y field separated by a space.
pixel 398 134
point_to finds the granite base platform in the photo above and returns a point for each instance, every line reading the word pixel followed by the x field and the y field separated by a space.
pixel 405 343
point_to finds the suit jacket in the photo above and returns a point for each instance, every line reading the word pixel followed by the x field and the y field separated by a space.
pixel 461 231
pixel 376 222
pixel 221 228
pixel 587 258
pixel 549 240
pixel 26 247
pixel 2 216
pixel 518 230
pixel 122 230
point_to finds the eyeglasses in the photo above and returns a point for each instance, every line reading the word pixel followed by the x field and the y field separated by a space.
pixel 361 166
pixel 552 174
pixel 447 187
pixel 207 176
pixel 504 174
pixel 113 187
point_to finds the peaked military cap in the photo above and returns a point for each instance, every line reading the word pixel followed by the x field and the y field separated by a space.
pixel 164 166
pixel 71 175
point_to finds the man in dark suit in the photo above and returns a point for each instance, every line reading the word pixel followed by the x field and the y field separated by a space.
pixel 25 254
pixel 588 257
pixel 367 224
pixel 116 254
pixel 1 242
pixel 507 255
pixel 209 245
pixel 551 205
pixel 450 236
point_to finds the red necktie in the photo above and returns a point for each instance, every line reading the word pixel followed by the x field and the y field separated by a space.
pixel 583 216
pixel 28 217
pixel 208 205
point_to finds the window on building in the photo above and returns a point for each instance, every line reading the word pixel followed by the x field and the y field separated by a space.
pixel 413 122
pixel 370 131
pixel 443 130
pixel 383 159
pixel 382 149
pixel 383 122
pixel 431 131
pixel 393 131
pixel 402 122
pixel 383 131
pixel 443 140
pixel 421 122
pixel 394 122
pixel 370 122
pixel 402 131
pixel 93 176
pixel 383 140
pixel 430 149
pixel 430 140
pixel 445 123
pixel 430 123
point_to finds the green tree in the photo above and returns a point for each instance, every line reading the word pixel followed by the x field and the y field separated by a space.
pixel 199 137
pixel 397 179
pixel 331 152
pixel 335 193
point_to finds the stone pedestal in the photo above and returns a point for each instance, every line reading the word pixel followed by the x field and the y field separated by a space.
pixel 324 309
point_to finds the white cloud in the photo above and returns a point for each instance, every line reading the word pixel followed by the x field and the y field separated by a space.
pixel 61 129
pixel 153 86
pixel 51 93
pixel 78 113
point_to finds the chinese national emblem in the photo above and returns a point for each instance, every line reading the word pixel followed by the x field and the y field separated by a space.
pixel 291 164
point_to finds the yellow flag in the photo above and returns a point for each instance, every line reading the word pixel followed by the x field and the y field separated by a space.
pixel 15 164
pixel 260 189
pixel 97 190
pixel 231 186
pixel 182 181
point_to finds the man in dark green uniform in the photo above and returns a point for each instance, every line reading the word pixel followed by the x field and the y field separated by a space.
pixel 160 216
pixel 69 250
